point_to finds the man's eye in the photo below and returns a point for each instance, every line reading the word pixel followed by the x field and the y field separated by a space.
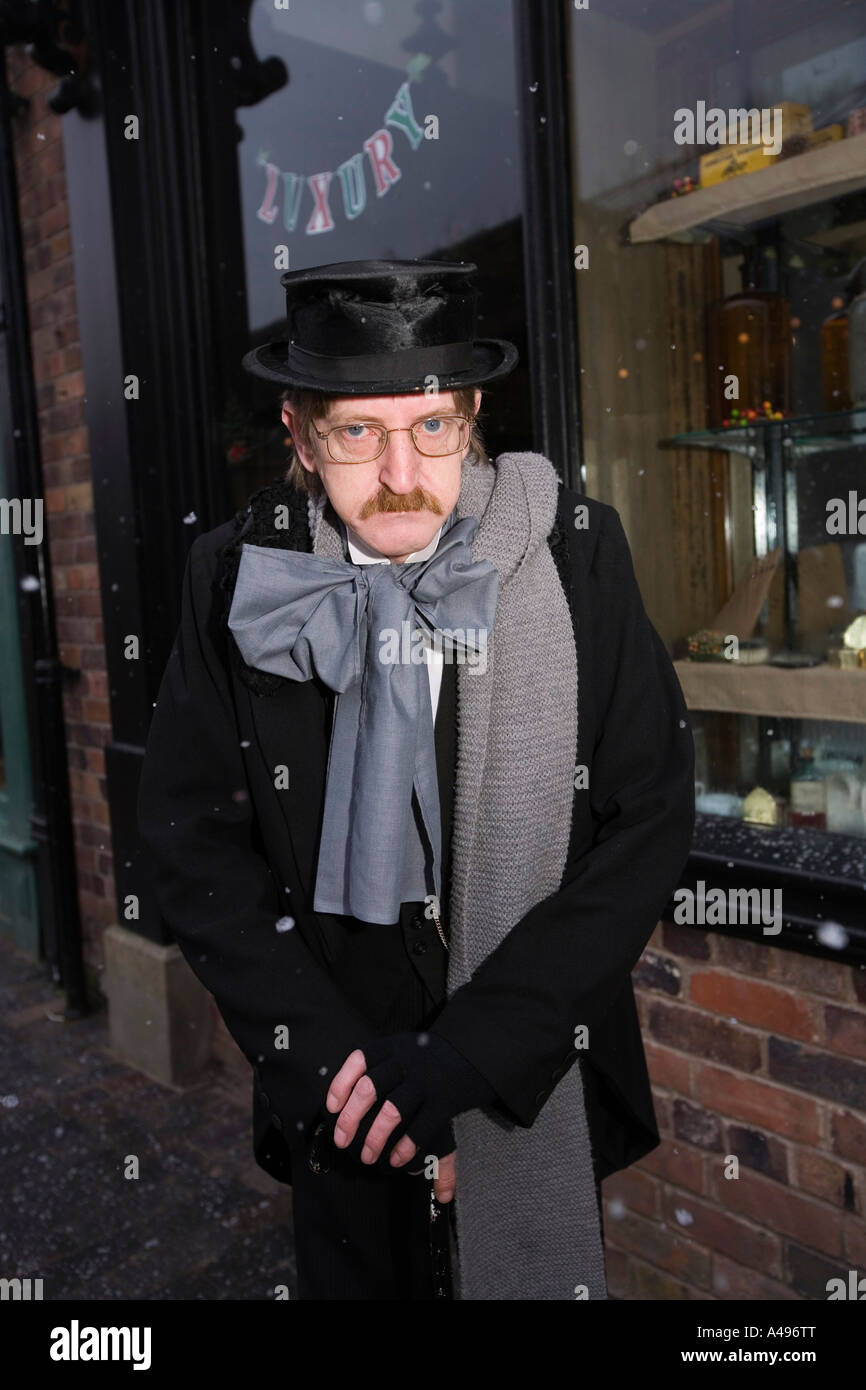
pixel 437 426
pixel 347 430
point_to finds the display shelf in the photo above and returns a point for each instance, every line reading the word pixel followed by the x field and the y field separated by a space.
pixel 801 435
pixel 820 875
pixel 835 859
pixel 816 692
pixel 830 171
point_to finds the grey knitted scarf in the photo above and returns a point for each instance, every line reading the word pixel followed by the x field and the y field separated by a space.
pixel 525 1209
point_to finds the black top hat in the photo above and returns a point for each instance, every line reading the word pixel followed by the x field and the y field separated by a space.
pixel 374 328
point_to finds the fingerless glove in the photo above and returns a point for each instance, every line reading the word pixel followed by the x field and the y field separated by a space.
pixel 429 1082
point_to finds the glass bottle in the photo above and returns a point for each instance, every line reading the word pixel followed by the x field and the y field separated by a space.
pixel 857 335
pixel 750 338
pixel 834 361
pixel 808 791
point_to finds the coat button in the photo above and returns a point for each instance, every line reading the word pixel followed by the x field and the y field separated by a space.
pixel 266 1098
pixel 419 948
pixel 540 1097
pixel 417 920
pixel 277 1123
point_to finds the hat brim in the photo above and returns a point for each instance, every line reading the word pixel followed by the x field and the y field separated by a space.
pixel 492 358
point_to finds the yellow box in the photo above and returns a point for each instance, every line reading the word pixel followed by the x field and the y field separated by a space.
pixel 796 116
pixel 728 161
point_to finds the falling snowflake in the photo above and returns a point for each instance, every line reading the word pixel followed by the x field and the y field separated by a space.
pixel 684 1217
pixel 833 934
pixel 190 518
pixel 285 924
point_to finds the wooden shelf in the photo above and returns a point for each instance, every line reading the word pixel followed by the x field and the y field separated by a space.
pixel 811 177
pixel 816 692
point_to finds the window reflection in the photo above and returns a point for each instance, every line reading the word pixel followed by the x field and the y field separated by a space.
pixel 394 137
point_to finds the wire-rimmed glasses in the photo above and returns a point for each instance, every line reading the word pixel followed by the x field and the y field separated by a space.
pixel 450 435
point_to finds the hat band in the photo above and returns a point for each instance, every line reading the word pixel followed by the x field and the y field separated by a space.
pixel 401 364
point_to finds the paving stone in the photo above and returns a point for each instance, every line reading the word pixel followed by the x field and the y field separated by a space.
pixel 200 1222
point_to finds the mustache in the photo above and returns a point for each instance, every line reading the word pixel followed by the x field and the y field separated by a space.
pixel 385 500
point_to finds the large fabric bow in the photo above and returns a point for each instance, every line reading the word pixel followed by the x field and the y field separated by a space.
pixel 300 614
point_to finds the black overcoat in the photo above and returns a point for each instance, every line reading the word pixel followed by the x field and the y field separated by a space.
pixel 231 851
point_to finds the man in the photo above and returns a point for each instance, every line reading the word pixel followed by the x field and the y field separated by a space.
pixel 418 785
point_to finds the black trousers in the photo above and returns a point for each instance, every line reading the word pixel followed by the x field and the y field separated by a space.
pixel 370 1231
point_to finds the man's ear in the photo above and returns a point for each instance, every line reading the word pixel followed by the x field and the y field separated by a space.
pixel 302 450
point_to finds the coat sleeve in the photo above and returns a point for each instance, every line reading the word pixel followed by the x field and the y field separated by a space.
pixel 215 890
pixel 563 964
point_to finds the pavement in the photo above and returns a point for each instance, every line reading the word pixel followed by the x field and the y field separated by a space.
pixel 200 1221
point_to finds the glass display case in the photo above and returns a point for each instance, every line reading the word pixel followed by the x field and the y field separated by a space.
pixel 721 294
pixel 791 714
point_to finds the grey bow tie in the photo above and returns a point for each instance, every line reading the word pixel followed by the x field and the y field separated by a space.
pixel 298 614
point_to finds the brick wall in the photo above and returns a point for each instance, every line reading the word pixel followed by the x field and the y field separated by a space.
pixel 68 500
pixel 759 1053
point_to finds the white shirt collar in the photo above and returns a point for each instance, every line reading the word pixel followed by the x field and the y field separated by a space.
pixel 362 554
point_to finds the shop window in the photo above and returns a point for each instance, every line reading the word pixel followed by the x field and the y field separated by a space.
pixel 395 136
pixel 720 259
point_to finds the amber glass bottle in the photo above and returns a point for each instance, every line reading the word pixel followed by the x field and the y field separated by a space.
pixel 834 361
pixel 750 339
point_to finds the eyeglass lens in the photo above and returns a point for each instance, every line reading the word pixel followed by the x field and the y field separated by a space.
pixel 439 435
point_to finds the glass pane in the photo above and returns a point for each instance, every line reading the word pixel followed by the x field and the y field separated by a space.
pixel 720 259
pixel 394 137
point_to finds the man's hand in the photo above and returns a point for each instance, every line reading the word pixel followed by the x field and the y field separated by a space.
pixel 352 1092
pixel 420 1083
pixel 445 1185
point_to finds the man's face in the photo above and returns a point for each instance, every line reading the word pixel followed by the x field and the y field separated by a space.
pixel 397 502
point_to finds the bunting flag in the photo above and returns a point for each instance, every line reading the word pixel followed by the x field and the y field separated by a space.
pixel 284 189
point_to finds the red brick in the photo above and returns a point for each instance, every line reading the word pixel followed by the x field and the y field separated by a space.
pixel 676 1163
pixel 636 1190
pixel 661 1246
pixel 617 1272
pixel 718 1230
pixel 693 1031
pixel 854 1241
pixel 848 1135
pixel 845 1030
pixel 83 577
pixel 650 1285
pixel 820 1176
pixel 60 245
pixel 751 1001
pixel 731 1280
pixel 97 711
pixel 779 1209
pixel 683 940
pixel 668 1068
pixel 664 1116
pixel 759 1102
pixel 70 386
pixel 748 957
pixel 79 497
pixel 812 974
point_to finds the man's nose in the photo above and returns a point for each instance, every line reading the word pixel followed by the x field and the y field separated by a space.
pixel 398 463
